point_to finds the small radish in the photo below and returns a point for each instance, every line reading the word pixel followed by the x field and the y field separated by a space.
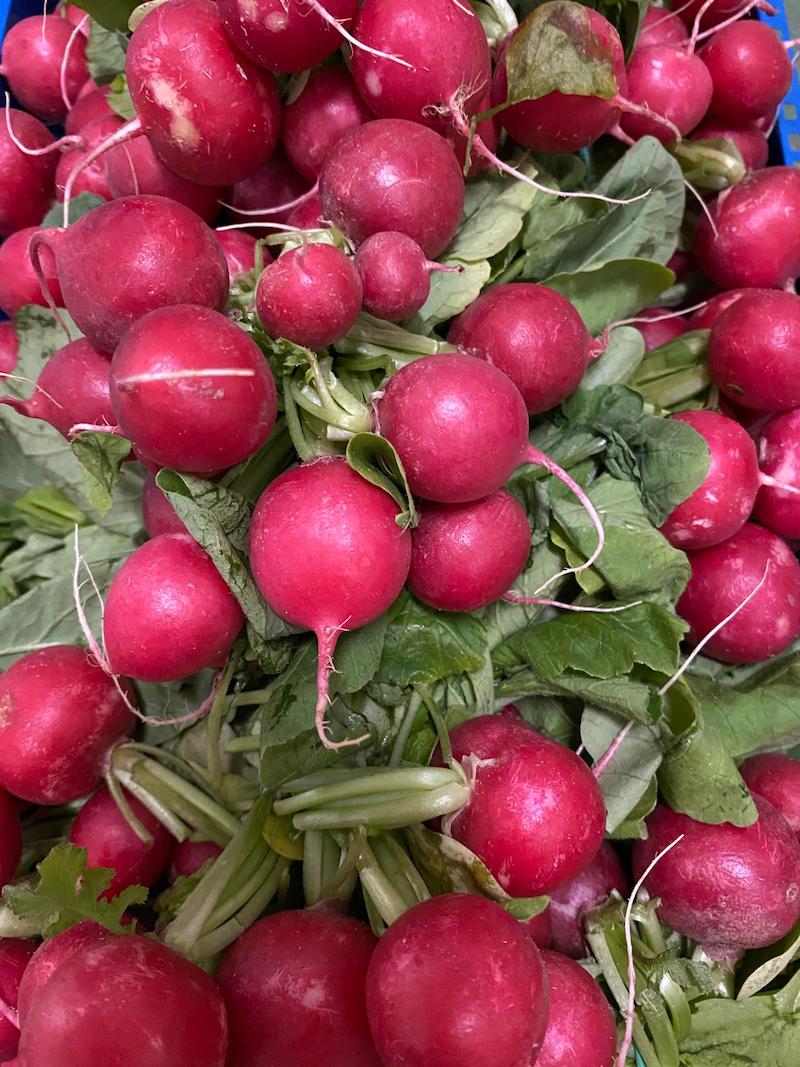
pixel 10 838
pixel 308 215
pixel 27 183
pixel 581 1030
pixel 681 264
pixel 570 903
pixel 49 956
pixel 15 954
pixel 779 458
pixel 286 36
pixel 539 929
pixel 92 178
pixel 62 717
pixel 33 56
pixel 190 856
pixel 395 274
pixel 239 249
pixel 658 329
pixel 159 515
pixel 274 185
pixel 751 142
pixel 705 318
pixel 723 576
pixel 750 70
pixel 134 168
pixel 91 103
pixel 775 777
pixel 671 82
pixel 659 26
pixel 19 284
pixel 9 348
pixel 328 107
pixel 168 613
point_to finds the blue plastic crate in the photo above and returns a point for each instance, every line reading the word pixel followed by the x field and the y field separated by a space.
pixel 788 127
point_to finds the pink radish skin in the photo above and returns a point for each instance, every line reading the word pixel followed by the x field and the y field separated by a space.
pixel 199 424
pixel 554 815
pixel 10 838
pixel 49 956
pixel 159 515
pixel 131 1002
pixel 18 282
pixel 723 576
pixel 308 215
pixel 581 1029
pixel 285 36
pixel 327 555
pixel 724 886
pixel 14 956
pixel 775 777
pixel 91 103
pixel 660 332
pixel 63 716
pixel 27 183
pixel 134 168
pixel 328 107
pixel 190 856
pixel 750 69
pixel 168 612
pixel 91 179
pixel 32 56
pixel 395 274
pixel 706 317
pixel 239 249
pixel 110 842
pixel 570 903
pixel 465 556
pixel 779 457
pixel 532 334
pixel 723 503
pixel 673 83
pixel 271 186
pixel 751 142
pixel 392 174
pixel 496 1013
pixel 210 115
pixel 660 26
pixel 9 348
pixel 301 1007
pixel 758 232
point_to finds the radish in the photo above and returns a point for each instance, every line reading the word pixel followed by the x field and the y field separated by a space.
pixel 465 556
pixel 274 185
pixel 659 26
pixel 73 15
pixel 308 215
pixel 27 182
pixel 757 242
pixel 91 103
pixel 14 956
pixel 570 903
pixel 33 55
pixel 657 329
pixel 192 390
pixel 294 988
pixel 62 717
pixel 751 142
pixel 581 1030
pixel 539 929
pixel 327 555
pixel 286 36
pixel 681 264
pixel 311 295
pixel 92 178
pixel 714 13
pixel 779 458
pixel 166 254
pixel 395 274
pixel 168 613
pixel 191 856
pixel 673 83
pixel 775 777
pixel 719 507
pixel 553 812
pixel 532 334
pixel 727 887
pixel 705 318
pixel 750 70
pixel 10 838
pixel 159 515
pixel 723 576
pixel 134 168
pixel 392 174
pixel 328 107
pixel 49 956
pixel 239 250
pixel 9 348
pixel 19 284
pixel 494 1013
pixel 164 1010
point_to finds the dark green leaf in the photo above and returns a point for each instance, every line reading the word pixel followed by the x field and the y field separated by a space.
pixel 101 455
pixel 119 98
pixel 79 206
pixel 105 53
pixel 621 696
pixel 375 459
pixel 629 778
pixel 608 292
pixel 113 14
pixel 49 511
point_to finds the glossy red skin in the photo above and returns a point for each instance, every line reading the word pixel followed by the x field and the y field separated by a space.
pixel 10 838
pixel 752 351
pixel 415 33
pixel 750 69
pixel 27 183
pixel 395 274
pixel 723 503
pixel 93 178
pixel 673 83
pixel 532 334
pixel 276 183
pixel 724 885
pixel 328 107
pixel 722 577
pixel 159 515
pixel 211 115
pixel 9 348
pixel 110 842
pixel 459 426
pixel 62 717
pixel 32 56
pixel 200 424
pixel 751 142
pixel 134 168
pixel 294 988
pixel 132 1003
pixel 539 928
pixel 92 103
pixel 239 249
pixel 311 295
pixel 285 37
pixel 758 232
pixel 553 812
pixel 308 215
pixel 394 175
pixel 465 556
pixel 779 456
pixel 705 318
pixel 776 777
pixel 581 1029
pixel 494 1013
pixel 18 282
pixel 660 26
pixel 716 13
pixel 661 332
pixel 570 903
pixel 49 956
pixel 14 955
pixel 168 612
pixel 325 548
pixel 190 856
pixel 165 252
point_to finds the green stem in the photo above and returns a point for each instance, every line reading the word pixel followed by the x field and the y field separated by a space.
pixel 154 804
pixel 343 881
pixel 402 779
pixel 388 902
pixel 243 744
pixel 438 723
pixel 676 388
pixel 211 945
pixel 406 726
pixel 330 413
pixel 214 722
pixel 254 476
pixel 402 873
pixel 313 843
pixel 233 904
pixel 127 812
pixel 511 273
pixel 301 442
pixel 389 815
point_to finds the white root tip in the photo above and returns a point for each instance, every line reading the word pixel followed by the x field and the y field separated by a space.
pixel 298 200
pixel 323 13
pixel 62 74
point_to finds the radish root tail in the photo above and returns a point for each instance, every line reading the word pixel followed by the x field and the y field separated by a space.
pixel 326 646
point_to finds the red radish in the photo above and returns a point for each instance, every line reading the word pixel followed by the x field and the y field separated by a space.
pixel 166 254
pixel 715 13
pixel 311 295
pixel 723 576
pixel 752 351
pixel 751 142
pixel 723 503
pixel 495 1013
pixel 91 103
pixel 779 458
pixel 511 711
pixel 705 318
pixel 210 115
pixel 394 175
pixel 27 183
pixel 92 178
pixel 49 956
pixel 18 282
pixel 659 26
pixel 192 390
pixel 421 89
pixel 158 513
pixel 10 838
pixel 553 812
pixel 9 348
pixel 658 327
pixel 74 15
pixel 14 956
pixel 750 70
pixel 62 717
pixel 776 777
pixel 307 1004
pixel 273 185
pixel 286 36
pixel 191 856
pixel 465 556
pixel 395 273
pixel 328 107
pixel 532 334
pixel 673 83
pixel 570 903
pixel 168 613
pixel 110 842
pixel 239 249
pixel 539 928
pixel 308 215
pixel 680 263
pixel 758 232
pixel 581 1030
pixel 327 555
pixel 164 1010
pixel 33 56
pixel 724 886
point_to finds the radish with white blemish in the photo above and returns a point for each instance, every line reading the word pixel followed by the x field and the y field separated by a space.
pixel 777 506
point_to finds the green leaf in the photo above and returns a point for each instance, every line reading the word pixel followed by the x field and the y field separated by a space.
pixel 39 336
pixel 557 719
pixel 764 965
pixel 49 511
pixel 119 98
pixel 604 293
pixel 112 14
pixel 101 455
pixel 450 294
pixel 621 696
pixel 711 164
pixel 105 53
pixel 79 206
pixel 375 459
pixel 503 618
pixel 622 356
